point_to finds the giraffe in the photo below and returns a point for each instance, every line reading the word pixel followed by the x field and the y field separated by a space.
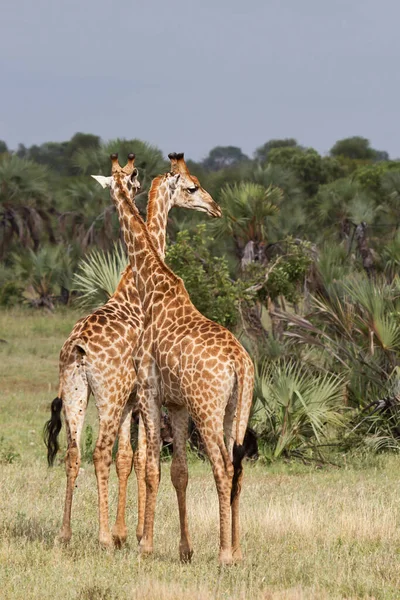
pixel 97 358
pixel 194 366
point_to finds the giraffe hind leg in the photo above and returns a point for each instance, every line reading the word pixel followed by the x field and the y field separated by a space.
pixel 75 398
pixel 139 462
pixel 179 476
pixel 223 472
pixel 124 461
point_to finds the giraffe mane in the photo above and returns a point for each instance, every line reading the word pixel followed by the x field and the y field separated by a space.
pixel 151 204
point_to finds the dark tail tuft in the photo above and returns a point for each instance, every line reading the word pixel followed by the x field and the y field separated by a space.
pixel 52 429
pixel 250 443
pixel 239 452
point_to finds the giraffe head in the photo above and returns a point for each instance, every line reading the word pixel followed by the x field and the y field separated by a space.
pixel 185 189
pixel 127 175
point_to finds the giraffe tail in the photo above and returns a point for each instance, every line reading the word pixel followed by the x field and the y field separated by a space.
pixel 244 386
pixel 52 429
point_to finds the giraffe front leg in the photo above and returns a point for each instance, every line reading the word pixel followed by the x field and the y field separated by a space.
pixel 124 468
pixel 139 461
pixel 179 476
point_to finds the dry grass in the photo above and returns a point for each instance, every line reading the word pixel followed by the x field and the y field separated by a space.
pixel 307 534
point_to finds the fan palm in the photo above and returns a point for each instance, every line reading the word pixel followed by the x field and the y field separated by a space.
pixel 43 273
pixel 98 275
pixel 296 407
pixel 247 207
pixel 340 205
pixel 25 205
pixel 86 214
pixel 149 159
pixel 292 216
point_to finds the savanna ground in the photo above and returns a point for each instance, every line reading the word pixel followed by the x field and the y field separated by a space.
pixel 307 533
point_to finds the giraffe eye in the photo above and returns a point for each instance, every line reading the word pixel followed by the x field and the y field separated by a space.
pixel 192 190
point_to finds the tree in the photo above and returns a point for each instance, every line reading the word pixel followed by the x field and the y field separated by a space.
pixel 206 277
pixel 247 208
pixel 80 141
pixel 50 154
pixel 149 160
pixel 222 157
pixel 357 147
pixel 261 154
pixel 310 169
pixel 3 147
pixel 340 206
pixel 25 205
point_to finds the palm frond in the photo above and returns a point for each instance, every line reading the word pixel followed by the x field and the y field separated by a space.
pixel 98 276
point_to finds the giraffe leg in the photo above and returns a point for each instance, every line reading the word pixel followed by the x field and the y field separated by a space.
pixel 236 550
pixel 223 472
pixel 102 458
pixel 179 475
pixel 124 468
pixel 139 461
pixel 151 419
pixel 75 398
pixel 229 427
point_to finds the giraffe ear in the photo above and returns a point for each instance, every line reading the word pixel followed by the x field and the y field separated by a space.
pixel 103 181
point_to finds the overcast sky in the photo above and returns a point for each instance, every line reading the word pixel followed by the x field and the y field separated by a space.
pixel 188 76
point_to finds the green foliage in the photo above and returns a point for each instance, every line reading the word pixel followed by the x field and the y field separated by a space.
pixel 285 274
pixel 341 205
pixel 247 208
pixel 98 275
pixel 370 176
pixel 261 154
pixel 206 277
pixel 42 274
pixel 11 294
pixel 310 169
pixel 296 407
pixel 357 147
pixel 88 444
pixel 221 157
pixel 391 257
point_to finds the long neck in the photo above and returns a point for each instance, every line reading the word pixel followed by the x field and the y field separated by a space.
pixel 158 207
pixel 150 272
pixel 126 292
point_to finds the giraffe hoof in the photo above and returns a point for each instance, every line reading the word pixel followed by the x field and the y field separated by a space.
pixel 225 557
pixel 64 537
pixel 237 555
pixel 186 555
pixel 139 535
pixel 145 549
pixel 119 537
pixel 105 541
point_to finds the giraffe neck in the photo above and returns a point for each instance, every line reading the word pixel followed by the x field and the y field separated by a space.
pixel 150 273
pixel 158 207
pixel 126 292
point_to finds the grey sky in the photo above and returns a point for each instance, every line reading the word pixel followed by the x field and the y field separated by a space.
pixel 188 76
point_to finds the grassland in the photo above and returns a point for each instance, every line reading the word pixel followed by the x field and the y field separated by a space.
pixel 307 533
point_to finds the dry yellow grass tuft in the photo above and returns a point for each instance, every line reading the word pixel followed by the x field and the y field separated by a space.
pixel 307 534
